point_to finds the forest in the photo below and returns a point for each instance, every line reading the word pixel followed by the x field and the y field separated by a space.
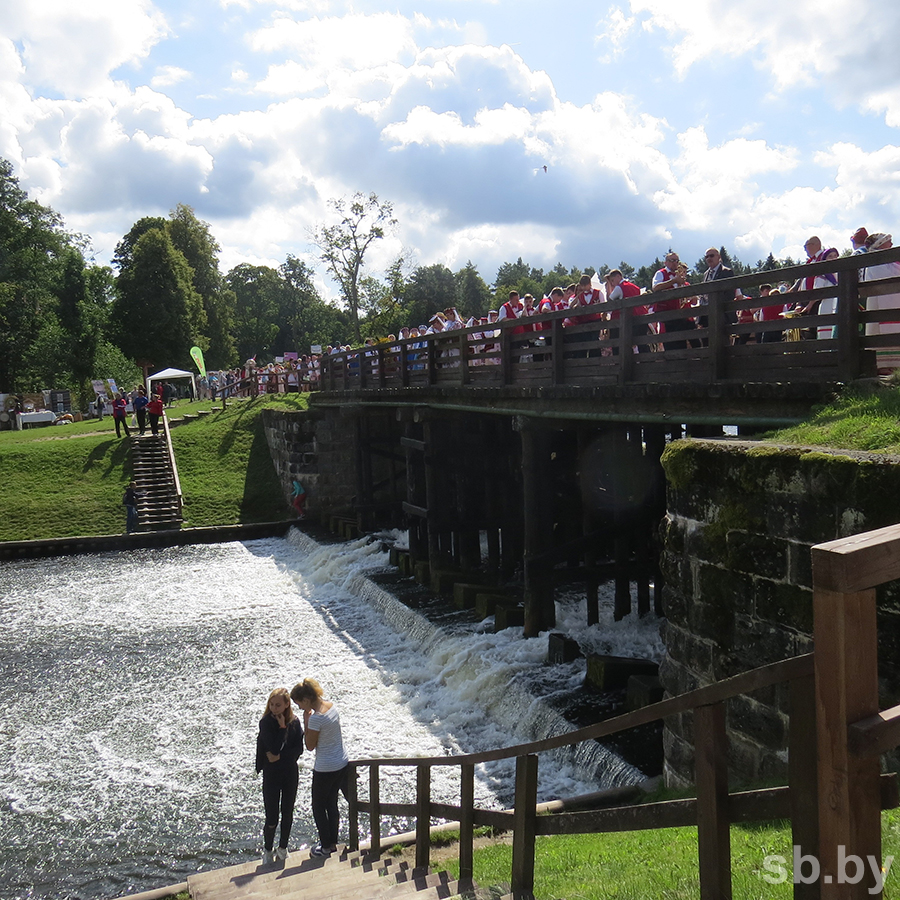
pixel 65 320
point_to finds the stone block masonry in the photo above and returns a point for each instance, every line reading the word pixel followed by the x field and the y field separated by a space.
pixel 742 517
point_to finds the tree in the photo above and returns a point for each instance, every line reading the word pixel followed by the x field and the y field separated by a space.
pixel 258 294
pixel 157 316
pixel 304 317
pixel 193 238
pixel 473 297
pixel 430 289
pixel 33 246
pixel 343 247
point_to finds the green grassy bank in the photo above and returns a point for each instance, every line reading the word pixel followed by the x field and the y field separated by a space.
pixel 67 481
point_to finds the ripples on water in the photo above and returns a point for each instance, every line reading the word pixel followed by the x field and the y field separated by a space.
pixel 132 685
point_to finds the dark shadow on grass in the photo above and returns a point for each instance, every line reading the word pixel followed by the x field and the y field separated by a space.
pixel 113 453
pixel 227 441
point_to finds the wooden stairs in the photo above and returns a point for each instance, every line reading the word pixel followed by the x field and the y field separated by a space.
pixel 348 875
pixel 158 505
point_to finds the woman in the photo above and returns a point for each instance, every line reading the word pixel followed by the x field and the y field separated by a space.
pixel 155 411
pixel 278 747
pixel 322 726
pixel 119 405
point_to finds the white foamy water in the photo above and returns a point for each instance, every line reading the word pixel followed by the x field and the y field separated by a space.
pixel 132 686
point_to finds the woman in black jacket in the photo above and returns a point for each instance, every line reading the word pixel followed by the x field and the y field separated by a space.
pixel 278 747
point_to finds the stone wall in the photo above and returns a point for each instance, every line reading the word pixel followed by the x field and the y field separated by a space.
pixel 312 448
pixel 738 581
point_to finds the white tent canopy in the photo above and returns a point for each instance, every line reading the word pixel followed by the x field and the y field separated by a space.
pixel 168 375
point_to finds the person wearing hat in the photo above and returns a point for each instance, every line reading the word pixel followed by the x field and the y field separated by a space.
pixel 858 239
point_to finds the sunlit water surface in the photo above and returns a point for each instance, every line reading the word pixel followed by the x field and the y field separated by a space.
pixel 132 684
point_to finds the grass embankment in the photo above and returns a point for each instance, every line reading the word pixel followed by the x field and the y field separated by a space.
pixel 67 481
pixel 659 864
pixel 859 419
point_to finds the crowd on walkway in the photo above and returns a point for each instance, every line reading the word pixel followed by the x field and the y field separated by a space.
pixel 774 304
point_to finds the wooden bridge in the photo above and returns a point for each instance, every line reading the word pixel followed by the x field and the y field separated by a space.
pixel 629 352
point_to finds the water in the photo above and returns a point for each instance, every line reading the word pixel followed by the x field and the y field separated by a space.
pixel 132 685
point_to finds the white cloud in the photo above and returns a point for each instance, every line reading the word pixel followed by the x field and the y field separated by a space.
pixel 848 47
pixel 618 27
pixel 166 76
pixel 71 48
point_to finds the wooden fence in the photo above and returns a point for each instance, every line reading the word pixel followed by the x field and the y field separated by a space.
pixel 635 348
pixel 835 792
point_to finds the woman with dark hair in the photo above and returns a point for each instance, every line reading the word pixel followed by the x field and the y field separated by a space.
pixel 322 725
pixel 278 747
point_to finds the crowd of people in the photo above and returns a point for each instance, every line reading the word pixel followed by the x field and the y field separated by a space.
pixel 614 286
pixel 279 745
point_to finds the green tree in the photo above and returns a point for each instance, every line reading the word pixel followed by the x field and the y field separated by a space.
pixel 473 296
pixel 343 247
pixel 193 238
pixel 33 246
pixel 259 297
pixel 429 290
pixel 157 316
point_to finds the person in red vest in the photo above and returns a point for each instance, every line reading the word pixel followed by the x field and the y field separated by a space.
pixel 585 295
pixel 619 288
pixel 667 278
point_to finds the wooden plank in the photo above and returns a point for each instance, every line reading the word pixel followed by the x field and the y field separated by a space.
pixel 524 827
pixel 353 809
pixel 423 816
pixel 846 663
pixel 374 809
pixel 875 735
pixel 412 443
pixel 859 562
pixel 467 821
pixel 711 779
pixel 412 510
pixel 803 777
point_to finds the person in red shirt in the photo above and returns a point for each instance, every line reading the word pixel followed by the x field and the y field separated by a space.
pixel 618 288
pixel 119 405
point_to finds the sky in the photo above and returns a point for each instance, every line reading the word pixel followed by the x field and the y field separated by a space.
pixel 751 124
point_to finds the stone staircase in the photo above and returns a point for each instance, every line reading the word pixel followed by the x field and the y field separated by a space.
pixel 158 505
pixel 343 876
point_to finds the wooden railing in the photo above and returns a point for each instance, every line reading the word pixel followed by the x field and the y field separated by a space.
pixel 628 349
pixel 835 792
pixel 170 453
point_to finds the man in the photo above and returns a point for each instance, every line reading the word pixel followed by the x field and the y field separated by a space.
pixel 668 278
pixel 858 240
pixel 828 306
pixel 714 272
pixel 618 288
pixel 512 309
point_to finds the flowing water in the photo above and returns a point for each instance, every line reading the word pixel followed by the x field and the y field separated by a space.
pixel 132 684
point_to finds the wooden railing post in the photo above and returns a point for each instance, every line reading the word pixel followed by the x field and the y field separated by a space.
pixel 466 820
pixel 803 779
pixel 374 810
pixel 846 691
pixel 524 827
pixel 464 340
pixel 352 809
pixel 557 357
pixel 711 778
pixel 431 363
pixel 423 816
pixel 505 357
pixel 848 341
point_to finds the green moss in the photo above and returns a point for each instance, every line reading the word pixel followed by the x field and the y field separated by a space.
pixel 679 463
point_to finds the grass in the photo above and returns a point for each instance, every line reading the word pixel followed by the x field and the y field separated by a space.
pixel 659 864
pixel 859 419
pixel 68 481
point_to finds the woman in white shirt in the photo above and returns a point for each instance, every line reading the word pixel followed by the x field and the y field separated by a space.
pixel 322 733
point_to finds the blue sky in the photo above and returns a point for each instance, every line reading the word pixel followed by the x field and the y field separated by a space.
pixel 748 123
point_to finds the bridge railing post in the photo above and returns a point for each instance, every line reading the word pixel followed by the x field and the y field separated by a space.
pixel 423 816
pixel 352 809
pixel 848 337
pixel 524 818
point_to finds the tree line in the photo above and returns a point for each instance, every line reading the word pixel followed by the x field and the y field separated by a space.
pixel 65 320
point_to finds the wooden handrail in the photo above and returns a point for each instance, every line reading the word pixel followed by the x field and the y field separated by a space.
pixel 171 456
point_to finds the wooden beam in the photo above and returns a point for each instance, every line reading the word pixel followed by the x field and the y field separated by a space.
pixel 876 734
pixel 859 562
pixel 846 662
pixel 524 827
